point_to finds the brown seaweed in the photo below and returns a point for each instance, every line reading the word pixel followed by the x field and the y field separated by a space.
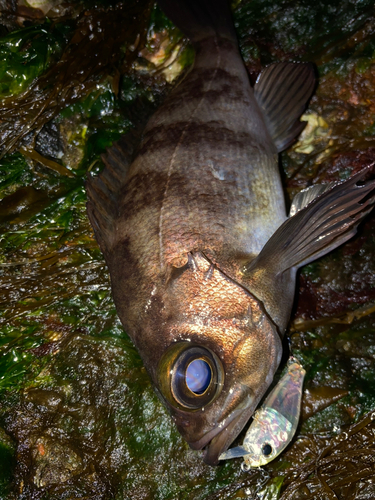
pixel 104 42
pixel 333 468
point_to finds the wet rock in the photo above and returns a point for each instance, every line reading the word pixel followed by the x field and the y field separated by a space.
pixel 54 462
pixel 49 142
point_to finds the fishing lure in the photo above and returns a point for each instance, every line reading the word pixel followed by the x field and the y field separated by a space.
pixel 275 423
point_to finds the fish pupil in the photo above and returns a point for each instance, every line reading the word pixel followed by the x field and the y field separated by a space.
pixel 267 450
pixel 198 376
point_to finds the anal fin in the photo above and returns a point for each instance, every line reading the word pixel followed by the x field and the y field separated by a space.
pixel 282 91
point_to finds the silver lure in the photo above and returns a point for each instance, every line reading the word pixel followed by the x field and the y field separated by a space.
pixel 275 423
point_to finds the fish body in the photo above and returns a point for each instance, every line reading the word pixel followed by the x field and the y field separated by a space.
pixel 193 227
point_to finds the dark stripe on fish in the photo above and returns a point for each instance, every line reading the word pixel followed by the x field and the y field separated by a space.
pixel 226 85
pixel 164 137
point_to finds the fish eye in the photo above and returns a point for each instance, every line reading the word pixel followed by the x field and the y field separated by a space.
pixel 267 450
pixel 190 376
pixel 198 376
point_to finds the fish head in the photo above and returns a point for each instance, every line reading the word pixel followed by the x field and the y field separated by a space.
pixel 222 355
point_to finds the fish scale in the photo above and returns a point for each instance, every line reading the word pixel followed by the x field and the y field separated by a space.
pixel 207 208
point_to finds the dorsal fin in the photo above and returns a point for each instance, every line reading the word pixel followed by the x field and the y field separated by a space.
pixel 103 190
pixel 282 91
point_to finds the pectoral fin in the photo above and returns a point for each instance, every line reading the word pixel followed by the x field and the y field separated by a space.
pixel 282 91
pixel 324 224
pixel 306 196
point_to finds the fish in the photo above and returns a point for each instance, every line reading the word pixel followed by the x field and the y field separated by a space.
pixel 275 423
pixel 193 227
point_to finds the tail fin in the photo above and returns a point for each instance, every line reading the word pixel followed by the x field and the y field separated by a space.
pixel 200 19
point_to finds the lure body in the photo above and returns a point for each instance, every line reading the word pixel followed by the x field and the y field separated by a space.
pixel 275 423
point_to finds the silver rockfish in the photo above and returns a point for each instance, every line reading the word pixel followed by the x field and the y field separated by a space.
pixel 194 230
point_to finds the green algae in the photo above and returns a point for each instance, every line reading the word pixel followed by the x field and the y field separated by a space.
pixel 74 395
pixel 25 54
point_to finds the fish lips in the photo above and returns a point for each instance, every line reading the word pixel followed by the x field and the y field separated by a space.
pixel 218 439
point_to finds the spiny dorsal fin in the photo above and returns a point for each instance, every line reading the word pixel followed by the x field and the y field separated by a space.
pixel 307 195
pixel 103 190
pixel 282 91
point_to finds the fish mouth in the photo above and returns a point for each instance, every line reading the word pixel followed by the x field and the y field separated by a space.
pixel 221 437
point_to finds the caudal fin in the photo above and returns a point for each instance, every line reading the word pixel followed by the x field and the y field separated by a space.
pixel 200 19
